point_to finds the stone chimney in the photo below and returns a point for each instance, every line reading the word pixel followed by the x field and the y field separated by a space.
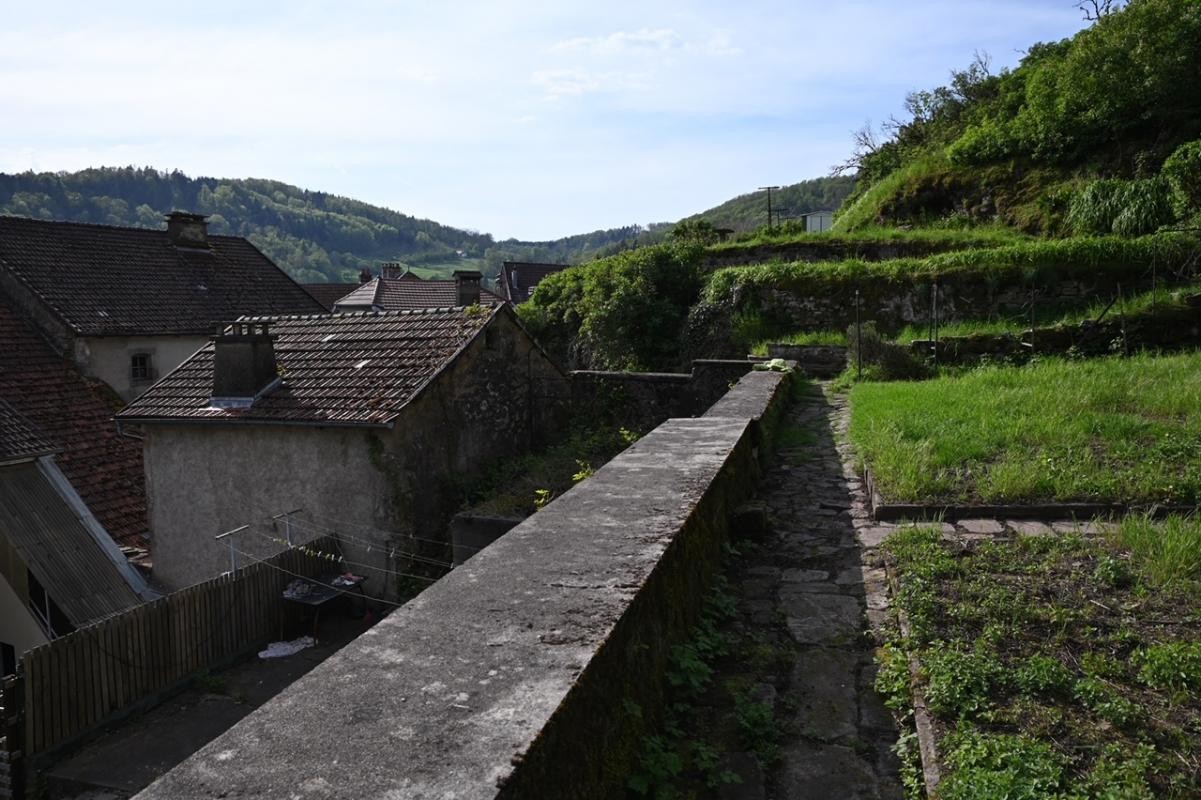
pixel 365 275
pixel 467 286
pixel 244 367
pixel 188 230
pixel 392 270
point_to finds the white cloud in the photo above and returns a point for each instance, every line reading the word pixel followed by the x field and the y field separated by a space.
pixel 621 42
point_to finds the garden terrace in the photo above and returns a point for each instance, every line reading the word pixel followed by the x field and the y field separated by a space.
pixel 779 298
pixel 1112 431
pixel 783 244
pixel 1050 665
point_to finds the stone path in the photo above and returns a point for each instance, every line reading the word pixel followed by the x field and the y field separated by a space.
pixel 819 575
pixel 812 575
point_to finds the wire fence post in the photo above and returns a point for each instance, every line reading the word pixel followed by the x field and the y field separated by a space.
pixel 1122 318
pixel 858 338
pixel 934 322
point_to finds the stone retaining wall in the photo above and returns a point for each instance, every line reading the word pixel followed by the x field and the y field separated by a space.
pixel 532 669
pixel 645 399
pixel 1167 330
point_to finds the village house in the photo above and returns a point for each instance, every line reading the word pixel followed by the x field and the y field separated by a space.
pixel 518 279
pixel 371 423
pixel 329 293
pixel 397 289
pixel 59 568
pixel 129 304
pixel 72 506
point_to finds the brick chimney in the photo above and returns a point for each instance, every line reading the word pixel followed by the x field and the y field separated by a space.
pixel 365 275
pixel 188 230
pixel 244 367
pixel 467 286
pixel 392 270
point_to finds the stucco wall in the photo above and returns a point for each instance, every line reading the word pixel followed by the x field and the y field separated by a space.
pixel 17 626
pixel 393 491
pixel 108 358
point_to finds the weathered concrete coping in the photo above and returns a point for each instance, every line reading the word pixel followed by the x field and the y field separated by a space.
pixel 755 394
pixel 511 676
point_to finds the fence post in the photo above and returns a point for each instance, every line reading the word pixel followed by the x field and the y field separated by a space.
pixel 858 338
pixel 12 711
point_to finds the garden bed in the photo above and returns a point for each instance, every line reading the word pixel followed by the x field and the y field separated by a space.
pixel 1109 433
pixel 1052 666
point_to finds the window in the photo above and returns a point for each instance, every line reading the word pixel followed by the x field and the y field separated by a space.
pixel 139 367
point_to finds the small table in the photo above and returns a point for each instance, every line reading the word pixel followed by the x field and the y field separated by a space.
pixel 321 590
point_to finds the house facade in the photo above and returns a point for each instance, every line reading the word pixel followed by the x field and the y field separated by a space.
pixel 127 305
pixel 59 568
pixel 367 425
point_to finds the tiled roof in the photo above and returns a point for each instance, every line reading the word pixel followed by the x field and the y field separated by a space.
pixel 106 281
pixel 329 293
pixel 19 439
pixel 345 369
pixel 518 278
pixel 403 294
pixel 104 468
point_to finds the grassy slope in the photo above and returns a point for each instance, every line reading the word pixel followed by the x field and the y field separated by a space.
pixel 1110 430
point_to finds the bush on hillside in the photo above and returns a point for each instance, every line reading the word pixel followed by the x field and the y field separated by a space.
pixel 625 312
pixel 1182 171
pixel 1127 208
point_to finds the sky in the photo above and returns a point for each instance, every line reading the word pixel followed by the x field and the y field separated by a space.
pixel 531 120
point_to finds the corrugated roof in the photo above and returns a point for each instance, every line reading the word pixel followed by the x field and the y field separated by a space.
pixel 20 440
pixel 106 281
pixel 519 278
pixel 403 294
pixel 104 468
pixel 58 549
pixel 349 369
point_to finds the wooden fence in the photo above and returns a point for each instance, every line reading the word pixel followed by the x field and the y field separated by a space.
pixel 77 683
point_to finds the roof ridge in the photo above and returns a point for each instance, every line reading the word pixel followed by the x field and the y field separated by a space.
pixel 366 313
pixel 106 226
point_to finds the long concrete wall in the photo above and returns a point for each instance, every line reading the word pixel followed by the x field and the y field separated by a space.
pixel 515 675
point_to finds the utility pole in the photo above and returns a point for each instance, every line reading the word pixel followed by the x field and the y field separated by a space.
pixel 769 190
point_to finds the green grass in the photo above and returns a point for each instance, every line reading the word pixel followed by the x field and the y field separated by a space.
pixel 803 338
pixel 1168 552
pixel 1055 666
pixel 1116 430
pixel 930 239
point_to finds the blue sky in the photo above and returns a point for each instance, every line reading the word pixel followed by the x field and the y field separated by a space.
pixel 525 119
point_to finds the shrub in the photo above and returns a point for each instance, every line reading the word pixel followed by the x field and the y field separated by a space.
pixel 1182 171
pixel 1127 208
pixel 894 361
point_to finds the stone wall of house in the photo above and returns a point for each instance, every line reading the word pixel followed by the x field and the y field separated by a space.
pixel 515 674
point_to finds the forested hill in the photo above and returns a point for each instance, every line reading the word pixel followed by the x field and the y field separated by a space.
pixel 317 236
pixel 749 211
pixel 313 235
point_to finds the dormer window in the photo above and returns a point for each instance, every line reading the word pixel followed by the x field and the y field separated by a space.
pixel 140 367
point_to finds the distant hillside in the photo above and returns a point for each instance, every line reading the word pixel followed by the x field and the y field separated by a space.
pixel 315 236
pixel 749 211
pixel 1090 135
